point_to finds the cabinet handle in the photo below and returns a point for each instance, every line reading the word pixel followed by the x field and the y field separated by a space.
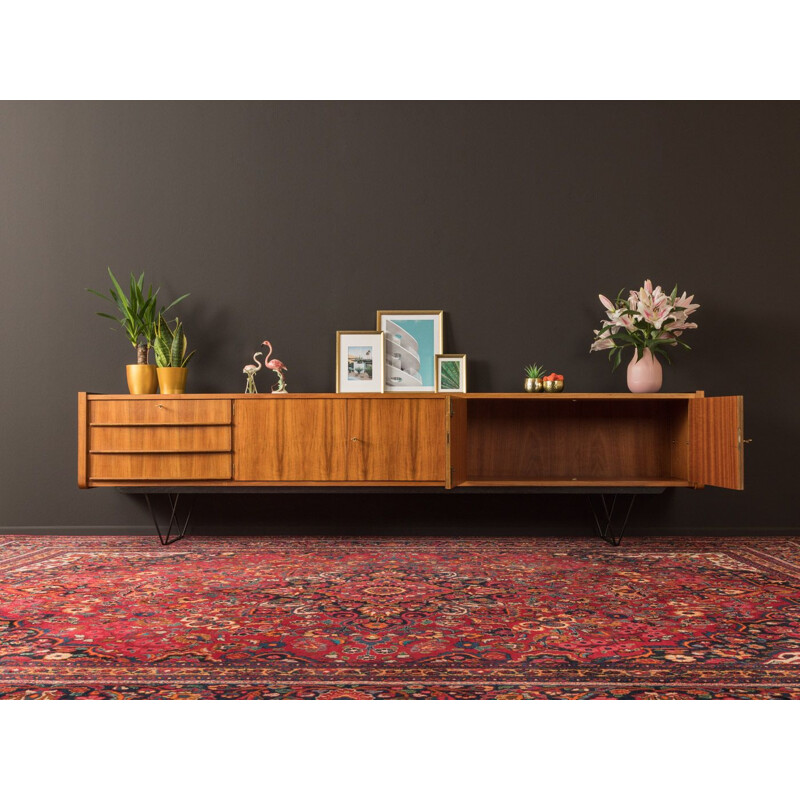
pixel 159 405
pixel 355 439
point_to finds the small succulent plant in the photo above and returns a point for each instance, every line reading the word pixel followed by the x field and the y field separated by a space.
pixel 534 371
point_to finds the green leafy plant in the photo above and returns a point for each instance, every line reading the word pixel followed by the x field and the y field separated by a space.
pixel 170 344
pixel 138 315
pixel 534 371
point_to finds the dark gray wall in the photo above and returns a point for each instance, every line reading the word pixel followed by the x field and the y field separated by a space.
pixel 289 221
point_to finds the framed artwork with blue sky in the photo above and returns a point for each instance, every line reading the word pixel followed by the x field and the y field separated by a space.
pixel 359 361
pixel 413 340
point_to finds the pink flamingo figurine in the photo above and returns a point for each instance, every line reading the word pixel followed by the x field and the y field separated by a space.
pixel 250 370
pixel 278 367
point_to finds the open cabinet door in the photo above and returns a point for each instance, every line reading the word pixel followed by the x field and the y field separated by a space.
pixel 716 457
pixel 456 441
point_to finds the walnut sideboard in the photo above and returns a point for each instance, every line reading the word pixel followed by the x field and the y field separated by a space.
pixel 605 444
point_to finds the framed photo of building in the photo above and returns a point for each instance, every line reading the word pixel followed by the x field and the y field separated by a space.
pixel 451 373
pixel 413 339
pixel 360 356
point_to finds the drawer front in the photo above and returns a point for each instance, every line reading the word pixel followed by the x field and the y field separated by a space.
pixel 161 439
pixel 163 467
pixel 160 412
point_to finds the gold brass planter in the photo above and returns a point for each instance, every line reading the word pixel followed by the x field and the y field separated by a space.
pixel 172 380
pixel 554 386
pixel 533 384
pixel 141 378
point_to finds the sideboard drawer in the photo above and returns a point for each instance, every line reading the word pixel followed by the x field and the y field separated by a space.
pixel 160 467
pixel 160 412
pixel 160 439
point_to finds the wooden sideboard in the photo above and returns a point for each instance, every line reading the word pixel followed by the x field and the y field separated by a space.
pixel 437 440
pixel 609 445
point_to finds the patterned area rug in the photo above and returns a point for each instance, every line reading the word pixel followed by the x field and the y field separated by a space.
pixel 333 617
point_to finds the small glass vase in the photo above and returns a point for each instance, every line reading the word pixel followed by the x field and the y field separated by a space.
pixel 644 374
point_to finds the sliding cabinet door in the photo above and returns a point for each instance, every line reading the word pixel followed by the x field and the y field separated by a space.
pixel 400 439
pixel 286 439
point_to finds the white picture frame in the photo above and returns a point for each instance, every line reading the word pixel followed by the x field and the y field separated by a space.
pixel 413 339
pixel 360 358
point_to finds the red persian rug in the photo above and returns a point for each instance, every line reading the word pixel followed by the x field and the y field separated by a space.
pixel 332 617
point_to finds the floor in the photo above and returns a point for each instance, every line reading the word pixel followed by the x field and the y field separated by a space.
pixel 419 618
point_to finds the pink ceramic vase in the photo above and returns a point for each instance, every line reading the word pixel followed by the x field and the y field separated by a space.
pixel 644 374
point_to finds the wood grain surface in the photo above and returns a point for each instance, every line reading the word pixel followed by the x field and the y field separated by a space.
pixel 716 431
pixel 574 441
pixel 488 440
pixel 457 423
pixel 160 411
pixel 161 439
pixel 398 439
pixel 160 467
pixel 304 440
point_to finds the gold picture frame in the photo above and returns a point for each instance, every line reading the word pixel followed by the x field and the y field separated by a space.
pixel 410 354
pixel 375 340
pixel 459 358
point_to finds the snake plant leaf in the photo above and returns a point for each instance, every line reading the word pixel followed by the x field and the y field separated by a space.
pixel 162 353
pixel 188 358
pixel 165 332
pixel 162 343
pixel 178 345
pixel 168 339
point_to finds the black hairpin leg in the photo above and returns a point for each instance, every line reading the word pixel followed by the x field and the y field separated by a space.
pixel 604 516
pixel 180 527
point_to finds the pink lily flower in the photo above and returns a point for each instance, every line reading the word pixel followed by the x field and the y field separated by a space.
pixel 648 314
pixel 606 302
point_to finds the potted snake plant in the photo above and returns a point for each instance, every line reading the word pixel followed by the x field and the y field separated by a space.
pixel 137 319
pixel 171 357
